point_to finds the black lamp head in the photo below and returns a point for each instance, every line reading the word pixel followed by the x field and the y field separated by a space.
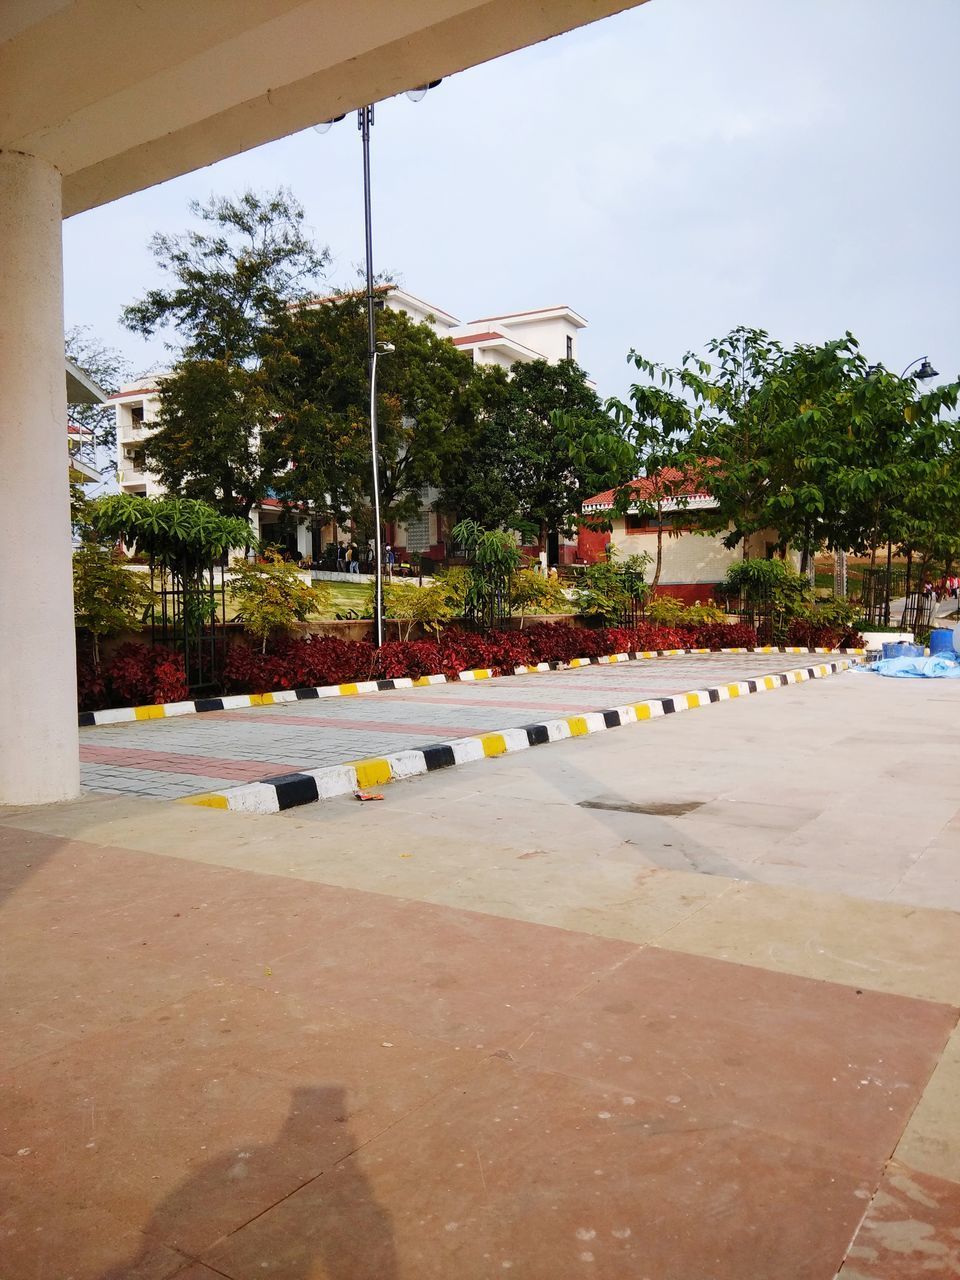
pixel 926 371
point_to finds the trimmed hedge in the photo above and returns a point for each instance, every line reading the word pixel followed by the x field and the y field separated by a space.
pixel 136 675
pixel 318 660
pixel 139 674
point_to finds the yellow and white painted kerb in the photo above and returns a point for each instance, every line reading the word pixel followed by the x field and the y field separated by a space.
pixel 235 701
pixel 275 794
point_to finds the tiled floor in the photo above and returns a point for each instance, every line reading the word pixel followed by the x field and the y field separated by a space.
pixel 183 755
pixel 221 1082
pixel 544 1019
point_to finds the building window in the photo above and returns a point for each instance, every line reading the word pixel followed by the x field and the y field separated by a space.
pixel 418 531
pixel 639 524
pixel 569 347
pixel 136 415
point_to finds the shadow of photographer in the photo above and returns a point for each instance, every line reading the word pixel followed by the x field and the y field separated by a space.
pixel 329 1227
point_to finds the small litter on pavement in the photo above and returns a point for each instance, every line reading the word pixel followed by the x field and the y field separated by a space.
pixel 368 795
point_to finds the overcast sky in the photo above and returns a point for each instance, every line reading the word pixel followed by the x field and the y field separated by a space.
pixel 669 173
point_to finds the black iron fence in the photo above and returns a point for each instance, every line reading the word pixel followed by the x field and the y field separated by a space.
pixel 889 597
pixel 189 616
pixel 487 606
pixel 763 611
pixel 632 600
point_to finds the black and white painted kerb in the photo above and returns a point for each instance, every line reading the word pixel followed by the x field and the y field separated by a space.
pixel 232 702
pixel 272 795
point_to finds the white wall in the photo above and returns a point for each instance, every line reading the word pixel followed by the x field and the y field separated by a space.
pixel 546 335
pixel 691 557
pixel 134 479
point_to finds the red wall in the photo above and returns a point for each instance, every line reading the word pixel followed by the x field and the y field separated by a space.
pixel 591 545
pixel 689 592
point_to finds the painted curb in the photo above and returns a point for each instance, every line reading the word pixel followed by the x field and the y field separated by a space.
pixel 233 702
pixel 273 795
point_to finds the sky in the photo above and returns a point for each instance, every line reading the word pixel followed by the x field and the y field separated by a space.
pixel 670 172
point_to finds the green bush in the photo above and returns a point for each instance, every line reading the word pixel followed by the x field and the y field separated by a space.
pixel 605 591
pixel 408 604
pixel 271 596
pixel 457 582
pixel 107 597
pixel 832 613
pixel 531 592
pixel 759 579
pixel 669 611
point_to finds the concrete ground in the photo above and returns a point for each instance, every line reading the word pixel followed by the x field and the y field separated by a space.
pixel 190 754
pixel 676 1002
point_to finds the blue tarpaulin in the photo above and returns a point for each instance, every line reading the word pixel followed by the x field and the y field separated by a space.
pixel 940 666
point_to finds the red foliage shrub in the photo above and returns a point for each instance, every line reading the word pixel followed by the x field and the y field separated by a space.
pixel 413 658
pixel 139 673
pixel 91 687
pixel 812 635
pixel 321 660
pixel 298 664
pixel 558 642
pixel 723 635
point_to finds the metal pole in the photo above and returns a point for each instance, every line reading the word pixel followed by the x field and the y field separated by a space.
pixel 364 121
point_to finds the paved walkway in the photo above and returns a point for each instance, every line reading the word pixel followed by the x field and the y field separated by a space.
pixel 190 754
pixel 663 1005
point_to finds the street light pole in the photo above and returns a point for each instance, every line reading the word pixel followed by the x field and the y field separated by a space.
pixel 364 122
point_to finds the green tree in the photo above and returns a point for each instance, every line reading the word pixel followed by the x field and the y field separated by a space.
pixel 215 437
pixel 428 399
pixel 657 424
pixel 562 447
pixel 478 479
pixel 231 282
pixel 231 278
pixel 807 440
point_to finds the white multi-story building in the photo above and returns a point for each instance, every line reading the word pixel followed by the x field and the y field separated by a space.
pixel 137 408
pixel 520 336
pixel 547 334
pixel 81 389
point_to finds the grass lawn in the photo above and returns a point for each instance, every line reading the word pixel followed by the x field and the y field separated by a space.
pixel 345 596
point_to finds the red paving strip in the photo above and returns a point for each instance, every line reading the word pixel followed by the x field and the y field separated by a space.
pixel 573 707
pixel 513 704
pixel 170 762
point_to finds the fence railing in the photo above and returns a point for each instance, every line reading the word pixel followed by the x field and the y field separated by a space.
pixel 761 611
pixel 189 616
pixel 891 598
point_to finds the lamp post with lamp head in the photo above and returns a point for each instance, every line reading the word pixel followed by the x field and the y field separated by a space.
pixel 365 124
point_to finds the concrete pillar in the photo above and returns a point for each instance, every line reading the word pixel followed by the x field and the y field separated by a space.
pixel 304 539
pixel 38 696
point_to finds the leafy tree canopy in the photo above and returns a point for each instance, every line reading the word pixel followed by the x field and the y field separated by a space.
pixel 809 440
pixel 428 401
pixel 230 277
pixel 231 282
pixel 214 439
pixel 544 443
pixel 180 534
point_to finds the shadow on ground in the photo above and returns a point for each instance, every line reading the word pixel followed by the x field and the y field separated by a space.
pixel 353 1237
